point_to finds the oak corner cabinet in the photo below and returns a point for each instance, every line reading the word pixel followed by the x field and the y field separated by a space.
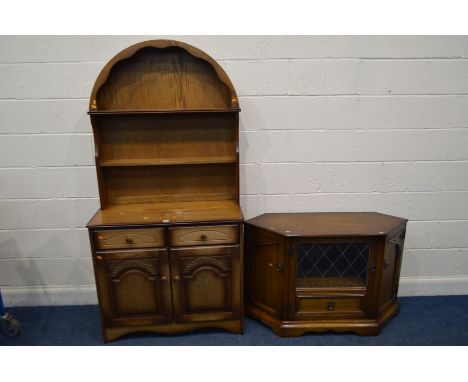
pixel 167 239
pixel 323 271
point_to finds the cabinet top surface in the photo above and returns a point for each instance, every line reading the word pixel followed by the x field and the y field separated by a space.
pixel 327 224
pixel 167 213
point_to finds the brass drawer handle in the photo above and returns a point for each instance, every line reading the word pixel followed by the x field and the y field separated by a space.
pixel 331 305
pixel 203 237
pixel 129 240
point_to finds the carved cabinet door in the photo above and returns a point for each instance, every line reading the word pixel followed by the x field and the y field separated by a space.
pixel 206 283
pixel 134 286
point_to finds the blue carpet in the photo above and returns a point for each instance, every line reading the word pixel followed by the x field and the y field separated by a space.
pixel 441 320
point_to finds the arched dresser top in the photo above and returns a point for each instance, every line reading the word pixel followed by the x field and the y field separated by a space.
pixel 162 75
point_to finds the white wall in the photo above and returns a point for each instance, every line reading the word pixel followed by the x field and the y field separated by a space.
pixel 328 124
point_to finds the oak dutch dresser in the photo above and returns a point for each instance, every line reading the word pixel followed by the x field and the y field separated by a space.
pixel 167 239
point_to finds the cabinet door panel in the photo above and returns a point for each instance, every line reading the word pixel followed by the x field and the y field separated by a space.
pixel 264 271
pixel 390 272
pixel 134 287
pixel 206 283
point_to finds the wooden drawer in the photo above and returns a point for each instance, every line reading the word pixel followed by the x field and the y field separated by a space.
pixel 129 238
pixel 328 305
pixel 204 235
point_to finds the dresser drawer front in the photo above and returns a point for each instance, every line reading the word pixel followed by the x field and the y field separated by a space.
pixel 204 235
pixel 328 305
pixel 129 238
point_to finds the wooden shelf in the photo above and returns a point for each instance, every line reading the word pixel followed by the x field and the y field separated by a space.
pixel 168 213
pixel 162 111
pixel 166 161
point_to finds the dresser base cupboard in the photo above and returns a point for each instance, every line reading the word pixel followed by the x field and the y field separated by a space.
pixel 148 284
pixel 167 241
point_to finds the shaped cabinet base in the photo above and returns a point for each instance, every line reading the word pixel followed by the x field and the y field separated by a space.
pixel 363 327
pixel 113 333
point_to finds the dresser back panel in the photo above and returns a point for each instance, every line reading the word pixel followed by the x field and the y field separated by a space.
pixel 160 137
pixel 168 78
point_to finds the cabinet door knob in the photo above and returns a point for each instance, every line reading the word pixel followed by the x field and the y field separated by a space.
pixel 280 267
pixel 176 279
pixel 129 240
pixel 99 257
pixel 385 265
pixel 373 268
pixel 163 278
pixel 203 237
pixel 331 305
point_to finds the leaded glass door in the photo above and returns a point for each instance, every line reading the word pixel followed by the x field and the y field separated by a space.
pixel 330 277
pixel 325 265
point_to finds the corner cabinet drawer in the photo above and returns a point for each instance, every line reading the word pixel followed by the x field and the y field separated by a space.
pixel 328 305
pixel 129 238
pixel 204 235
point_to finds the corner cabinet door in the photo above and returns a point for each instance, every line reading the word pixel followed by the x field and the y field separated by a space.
pixel 264 271
pixel 134 287
pixel 391 271
pixel 206 283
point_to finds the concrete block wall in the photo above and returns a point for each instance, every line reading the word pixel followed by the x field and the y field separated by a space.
pixel 328 123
